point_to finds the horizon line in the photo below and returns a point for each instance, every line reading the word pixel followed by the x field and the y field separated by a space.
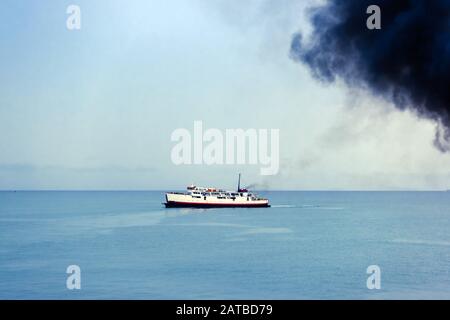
pixel 258 190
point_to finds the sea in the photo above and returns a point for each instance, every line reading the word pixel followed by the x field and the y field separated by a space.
pixel 308 245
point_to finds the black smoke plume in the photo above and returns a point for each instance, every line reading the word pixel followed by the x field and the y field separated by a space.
pixel 407 61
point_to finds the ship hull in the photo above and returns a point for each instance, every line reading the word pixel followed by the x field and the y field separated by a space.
pixel 177 204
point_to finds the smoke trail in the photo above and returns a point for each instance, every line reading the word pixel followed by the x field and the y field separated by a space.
pixel 407 62
pixel 259 186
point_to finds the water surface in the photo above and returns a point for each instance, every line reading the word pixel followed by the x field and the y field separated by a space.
pixel 308 245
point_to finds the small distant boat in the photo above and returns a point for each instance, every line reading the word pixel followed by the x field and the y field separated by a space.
pixel 200 197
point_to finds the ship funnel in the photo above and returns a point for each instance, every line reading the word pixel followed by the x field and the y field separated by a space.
pixel 239 185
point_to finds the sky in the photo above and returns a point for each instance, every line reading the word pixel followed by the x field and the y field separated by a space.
pixel 94 109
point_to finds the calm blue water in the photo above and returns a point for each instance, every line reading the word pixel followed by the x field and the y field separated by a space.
pixel 308 245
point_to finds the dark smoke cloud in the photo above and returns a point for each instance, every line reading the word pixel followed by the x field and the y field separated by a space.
pixel 407 62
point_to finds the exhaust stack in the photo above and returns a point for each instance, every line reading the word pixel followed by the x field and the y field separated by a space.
pixel 239 185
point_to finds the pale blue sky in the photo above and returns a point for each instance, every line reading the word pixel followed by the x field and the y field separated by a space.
pixel 94 108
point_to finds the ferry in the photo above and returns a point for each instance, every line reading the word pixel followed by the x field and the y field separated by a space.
pixel 200 197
